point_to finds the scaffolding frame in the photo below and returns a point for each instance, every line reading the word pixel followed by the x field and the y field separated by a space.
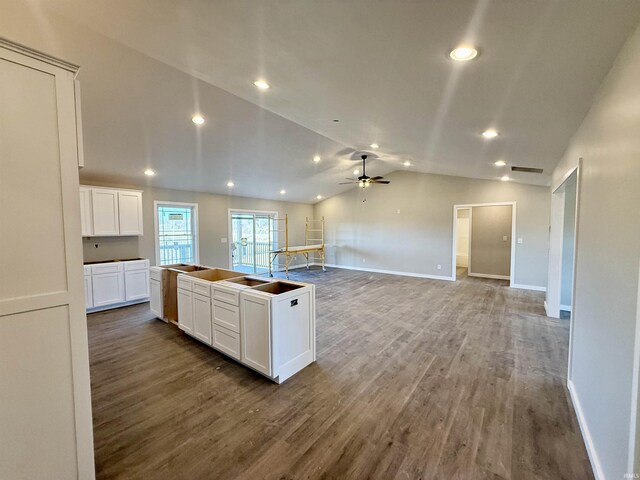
pixel 312 244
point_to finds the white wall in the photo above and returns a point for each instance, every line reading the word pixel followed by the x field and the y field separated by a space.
pixel 601 376
pixel 420 236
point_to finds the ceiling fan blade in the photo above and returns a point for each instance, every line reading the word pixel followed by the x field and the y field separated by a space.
pixel 383 182
pixel 352 179
pixel 347 183
pixel 373 179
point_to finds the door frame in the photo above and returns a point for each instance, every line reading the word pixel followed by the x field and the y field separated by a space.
pixel 230 213
pixel 512 267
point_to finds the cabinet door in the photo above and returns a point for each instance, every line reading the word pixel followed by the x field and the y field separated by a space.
pixel 88 292
pixel 108 288
pixel 255 332
pixel 130 213
pixel 104 206
pixel 185 311
pixel 202 318
pixel 86 218
pixel 155 304
pixel 136 284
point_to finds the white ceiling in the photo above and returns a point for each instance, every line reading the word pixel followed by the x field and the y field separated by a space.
pixel 380 67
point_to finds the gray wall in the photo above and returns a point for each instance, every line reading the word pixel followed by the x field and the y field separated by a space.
pixel 568 240
pixel 213 220
pixel 420 236
pixel 490 254
pixel 607 253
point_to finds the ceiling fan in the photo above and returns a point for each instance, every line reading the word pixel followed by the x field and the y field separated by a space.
pixel 363 181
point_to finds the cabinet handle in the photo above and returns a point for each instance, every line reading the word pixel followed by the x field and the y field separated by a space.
pixel 294 302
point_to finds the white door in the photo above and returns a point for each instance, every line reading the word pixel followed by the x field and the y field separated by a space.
pixel 255 331
pixel 86 218
pixel 104 205
pixel 88 292
pixel 155 304
pixel 185 311
pixel 202 318
pixel 136 285
pixel 46 429
pixel 108 288
pixel 130 213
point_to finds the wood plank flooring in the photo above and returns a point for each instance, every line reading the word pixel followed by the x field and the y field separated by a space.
pixel 415 379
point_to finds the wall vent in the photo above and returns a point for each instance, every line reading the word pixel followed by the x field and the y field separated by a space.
pixel 526 169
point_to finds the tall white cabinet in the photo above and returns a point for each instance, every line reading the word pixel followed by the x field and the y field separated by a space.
pixel 45 419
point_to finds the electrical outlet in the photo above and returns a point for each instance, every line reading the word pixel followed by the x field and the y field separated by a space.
pixel 223 240
pixel 439 267
pixel 520 241
pixel 504 238
pixel 398 211
pixel 363 260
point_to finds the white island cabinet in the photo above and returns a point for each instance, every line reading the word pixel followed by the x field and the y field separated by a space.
pixel 116 284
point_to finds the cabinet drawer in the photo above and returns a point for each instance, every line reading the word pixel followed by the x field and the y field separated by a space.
pixel 155 273
pixel 106 268
pixel 225 315
pixel 185 282
pixel 202 287
pixel 225 294
pixel 136 265
pixel 226 341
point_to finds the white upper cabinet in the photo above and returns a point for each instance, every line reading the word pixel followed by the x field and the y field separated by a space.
pixel 130 210
pixel 105 212
pixel 110 212
pixel 86 217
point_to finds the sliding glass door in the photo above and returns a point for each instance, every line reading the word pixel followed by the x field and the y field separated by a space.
pixel 252 237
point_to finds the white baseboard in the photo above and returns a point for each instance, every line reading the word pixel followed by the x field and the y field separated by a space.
pixel 115 305
pixel 529 287
pixel 566 308
pixel 488 275
pixel 584 428
pixel 392 272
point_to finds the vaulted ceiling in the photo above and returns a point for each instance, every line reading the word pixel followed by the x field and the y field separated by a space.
pixel 379 67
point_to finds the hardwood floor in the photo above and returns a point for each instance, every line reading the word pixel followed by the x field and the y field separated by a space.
pixel 415 379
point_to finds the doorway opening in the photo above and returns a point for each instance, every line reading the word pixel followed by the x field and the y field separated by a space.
pixel 252 236
pixel 483 240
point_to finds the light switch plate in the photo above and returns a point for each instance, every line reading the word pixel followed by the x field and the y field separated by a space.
pixel 520 242
pixel 223 240
pixel 504 238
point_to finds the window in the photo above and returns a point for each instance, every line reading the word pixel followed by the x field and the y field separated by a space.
pixel 176 233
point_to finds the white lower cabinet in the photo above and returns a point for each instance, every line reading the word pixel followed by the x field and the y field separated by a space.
pixel 155 291
pixel 136 284
pixel 107 285
pixel 256 332
pixel 112 284
pixel 201 318
pixel 185 311
pixel 88 291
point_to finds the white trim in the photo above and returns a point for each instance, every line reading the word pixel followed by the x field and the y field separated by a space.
pixel 512 272
pixel 537 288
pixel 489 275
pixel 390 272
pixel 566 308
pixel 586 435
pixel 195 226
pixel 633 464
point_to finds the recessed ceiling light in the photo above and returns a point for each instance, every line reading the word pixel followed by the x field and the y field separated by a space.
pixel 505 178
pixel 197 119
pixel 319 197
pixel 149 173
pixel 500 163
pixel 374 145
pixel 261 84
pixel 407 163
pixel 316 158
pixel 230 183
pixel 463 53
pixel 356 171
pixel 491 133
pixel 283 191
